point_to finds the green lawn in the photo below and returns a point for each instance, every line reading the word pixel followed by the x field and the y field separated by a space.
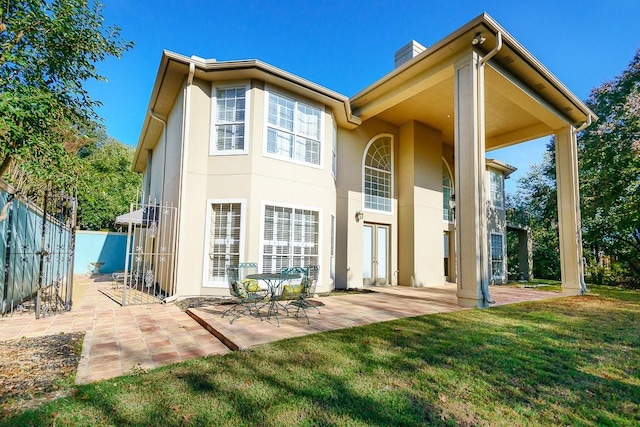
pixel 569 361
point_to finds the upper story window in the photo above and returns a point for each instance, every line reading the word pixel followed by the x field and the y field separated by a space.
pixel 447 191
pixel 496 183
pixel 229 120
pixel 378 161
pixel 294 129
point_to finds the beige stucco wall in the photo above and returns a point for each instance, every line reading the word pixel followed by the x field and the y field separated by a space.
pixel 192 211
pixel 421 251
pixel 351 147
pixel 165 164
pixel 250 178
pixel 256 180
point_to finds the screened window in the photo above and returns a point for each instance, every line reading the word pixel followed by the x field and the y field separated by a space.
pixel 290 238
pixel 224 242
pixel 497 255
pixel 293 129
pixel 229 123
pixel 447 191
pixel 377 175
pixel 497 188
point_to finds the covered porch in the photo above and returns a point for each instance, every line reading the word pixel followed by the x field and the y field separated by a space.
pixel 475 91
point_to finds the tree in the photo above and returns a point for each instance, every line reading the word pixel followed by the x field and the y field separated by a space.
pixel 536 200
pixel 609 154
pixel 107 185
pixel 48 50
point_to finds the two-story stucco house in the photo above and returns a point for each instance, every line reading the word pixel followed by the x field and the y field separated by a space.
pixel 265 166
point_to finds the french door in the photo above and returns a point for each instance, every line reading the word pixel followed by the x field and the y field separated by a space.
pixel 375 249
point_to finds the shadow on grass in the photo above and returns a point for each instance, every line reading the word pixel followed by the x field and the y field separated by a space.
pixel 570 361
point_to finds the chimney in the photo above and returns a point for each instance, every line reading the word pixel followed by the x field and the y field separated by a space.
pixel 408 52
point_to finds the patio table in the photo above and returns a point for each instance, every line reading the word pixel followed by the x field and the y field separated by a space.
pixel 274 284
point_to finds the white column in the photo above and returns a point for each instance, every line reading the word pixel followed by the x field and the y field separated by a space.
pixel 471 235
pixel 570 235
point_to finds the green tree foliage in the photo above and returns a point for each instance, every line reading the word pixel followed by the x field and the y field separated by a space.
pixel 536 200
pixel 610 172
pixel 48 50
pixel 107 185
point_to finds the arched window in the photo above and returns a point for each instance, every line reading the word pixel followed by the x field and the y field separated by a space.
pixel 447 191
pixel 377 173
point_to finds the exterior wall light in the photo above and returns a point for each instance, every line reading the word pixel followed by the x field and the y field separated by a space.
pixel 478 39
pixel 359 216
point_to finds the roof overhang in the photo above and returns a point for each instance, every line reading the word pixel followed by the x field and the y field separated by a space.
pixel 503 167
pixel 174 71
pixel 523 99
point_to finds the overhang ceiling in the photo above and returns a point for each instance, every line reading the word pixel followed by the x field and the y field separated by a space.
pixel 511 115
pixel 523 100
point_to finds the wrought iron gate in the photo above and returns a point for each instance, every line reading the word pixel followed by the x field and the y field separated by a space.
pixel 37 252
pixel 149 275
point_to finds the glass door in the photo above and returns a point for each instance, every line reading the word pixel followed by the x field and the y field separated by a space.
pixel 375 250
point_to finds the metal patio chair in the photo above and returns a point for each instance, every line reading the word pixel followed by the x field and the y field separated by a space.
pixel 247 295
pixel 307 289
pixel 292 279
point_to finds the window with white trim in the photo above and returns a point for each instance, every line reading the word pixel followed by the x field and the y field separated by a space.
pixel 224 239
pixel 229 118
pixel 293 129
pixel 447 191
pixel 497 256
pixel 378 175
pixel 496 184
pixel 290 238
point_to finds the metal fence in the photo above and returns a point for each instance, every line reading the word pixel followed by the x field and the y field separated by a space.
pixel 149 274
pixel 36 252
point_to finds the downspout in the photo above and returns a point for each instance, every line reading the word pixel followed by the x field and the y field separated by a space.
pixel 585 124
pixel 485 279
pixel 164 166
pixel 495 50
pixel 583 285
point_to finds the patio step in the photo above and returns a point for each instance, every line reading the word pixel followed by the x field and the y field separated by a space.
pixel 206 321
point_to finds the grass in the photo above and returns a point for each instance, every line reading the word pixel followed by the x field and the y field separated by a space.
pixel 568 361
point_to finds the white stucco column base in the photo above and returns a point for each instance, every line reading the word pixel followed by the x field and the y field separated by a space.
pixel 472 302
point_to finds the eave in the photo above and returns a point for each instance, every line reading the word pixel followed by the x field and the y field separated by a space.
pixel 174 69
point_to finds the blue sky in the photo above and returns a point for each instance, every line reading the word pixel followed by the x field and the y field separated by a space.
pixel 347 45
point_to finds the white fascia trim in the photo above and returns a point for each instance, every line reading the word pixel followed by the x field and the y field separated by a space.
pixel 247 113
pixel 206 283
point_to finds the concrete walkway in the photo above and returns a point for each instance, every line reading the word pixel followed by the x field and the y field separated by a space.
pixel 120 339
